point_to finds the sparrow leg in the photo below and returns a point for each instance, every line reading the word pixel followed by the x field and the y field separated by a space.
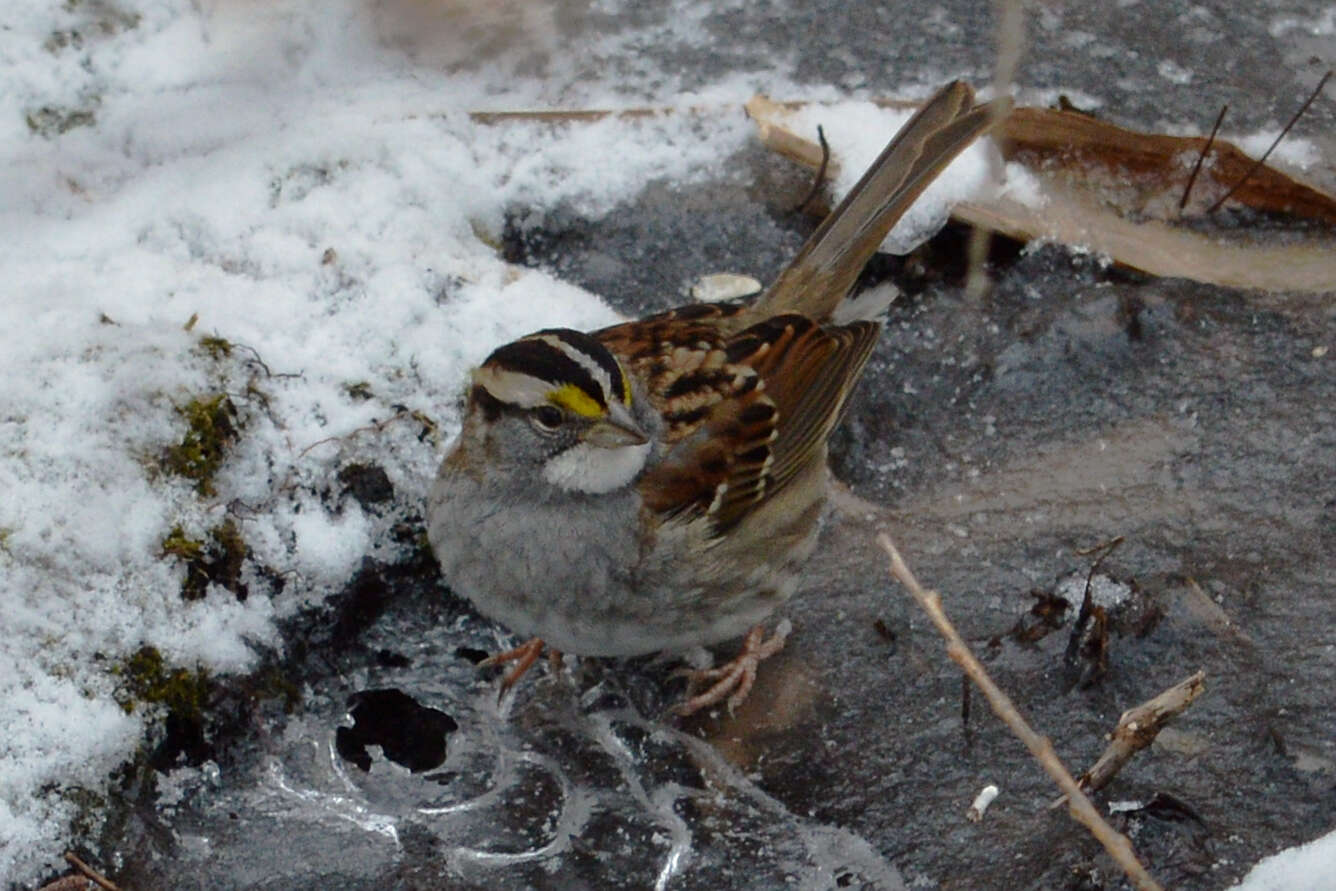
pixel 733 679
pixel 524 656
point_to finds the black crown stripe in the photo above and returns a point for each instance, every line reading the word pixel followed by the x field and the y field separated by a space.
pixel 590 346
pixel 547 363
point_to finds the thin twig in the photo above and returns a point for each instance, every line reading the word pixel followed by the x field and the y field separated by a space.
pixel 965 703
pixel 1078 804
pixel 820 179
pixel 1104 549
pixel 1010 47
pixel 1108 547
pixel 1196 168
pixel 376 426
pixel 1137 728
pixel 93 875
pixel 1262 160
pixel 561 116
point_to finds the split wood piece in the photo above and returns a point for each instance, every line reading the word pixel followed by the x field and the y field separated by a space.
pixel 1083 164
pixel 1076 217
pixel 1047 137
pixel 1079 806
pixel 568 116
pixel 1153 160
pixel 1136 729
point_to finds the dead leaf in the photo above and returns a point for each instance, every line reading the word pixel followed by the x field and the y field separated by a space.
pixel 1153 168
pixel 1115 191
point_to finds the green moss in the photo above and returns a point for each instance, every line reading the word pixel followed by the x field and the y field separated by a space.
pixel 230 553
pixel 5 533
pixel 146 679
pixel 210 428
pixel 359 390
pixel 215 347
pixel 178 544
pixel 425 553
pixel 218 560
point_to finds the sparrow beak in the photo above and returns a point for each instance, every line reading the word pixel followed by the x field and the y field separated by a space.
pixel 616 430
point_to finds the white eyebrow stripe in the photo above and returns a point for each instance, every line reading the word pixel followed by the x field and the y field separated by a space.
pixel 587 362
pixel 513 387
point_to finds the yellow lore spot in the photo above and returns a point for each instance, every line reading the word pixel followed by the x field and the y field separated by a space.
pixel 574 399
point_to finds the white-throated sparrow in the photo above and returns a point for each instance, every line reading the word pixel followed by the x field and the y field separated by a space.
pixel 658 485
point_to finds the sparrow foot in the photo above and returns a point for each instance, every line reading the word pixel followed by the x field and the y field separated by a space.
pixel 733 679
pixel 524 656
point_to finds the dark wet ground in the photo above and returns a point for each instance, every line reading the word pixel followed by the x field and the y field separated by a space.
pixel 993 439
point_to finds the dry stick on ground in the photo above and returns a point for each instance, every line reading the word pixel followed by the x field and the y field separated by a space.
pixel 1136 729
pixel 1078 805
pixel 92 874
pixel 377 426
pixel 1104 549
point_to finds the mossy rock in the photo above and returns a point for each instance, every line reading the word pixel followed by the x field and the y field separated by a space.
pixel 146 679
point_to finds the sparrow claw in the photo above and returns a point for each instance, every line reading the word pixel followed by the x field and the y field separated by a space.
pixel 524 656
pixel 732 680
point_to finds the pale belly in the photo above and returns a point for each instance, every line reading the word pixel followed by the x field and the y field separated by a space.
pixel 588 589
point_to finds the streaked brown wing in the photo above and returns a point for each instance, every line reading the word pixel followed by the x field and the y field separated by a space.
pixel 679 357
pixel 749 403
pixel 809 371
pixel 762 403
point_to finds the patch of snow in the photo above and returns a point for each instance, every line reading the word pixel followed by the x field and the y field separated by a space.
pixel 1173 72
pixel 857 133
pixel 1322 25
pixel 1022 186
pixel 1105 591
pixel 297 179
pixel 1297 152
pixel 1307 867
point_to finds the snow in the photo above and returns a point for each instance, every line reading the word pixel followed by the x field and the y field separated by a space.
pixel 1105 592
pixel 857 134
pixel 268 171
pixel 1310 867
pixel 1324 25
pixel 1298 153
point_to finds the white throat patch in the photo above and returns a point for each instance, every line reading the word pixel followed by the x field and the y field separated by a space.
pixel 587 468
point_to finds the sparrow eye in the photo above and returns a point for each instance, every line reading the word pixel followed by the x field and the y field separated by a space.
pixel 547 418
